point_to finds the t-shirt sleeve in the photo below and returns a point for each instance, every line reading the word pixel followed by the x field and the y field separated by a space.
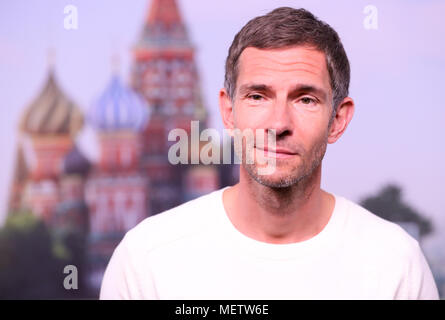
pixel 418 282
pixel 123 279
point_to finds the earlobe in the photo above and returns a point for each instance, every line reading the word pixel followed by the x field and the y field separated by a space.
pixel 343 117
pixel 226 109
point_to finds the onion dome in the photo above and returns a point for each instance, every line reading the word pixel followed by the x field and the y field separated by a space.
pixel 76 163
pixel 52 112
pixel 119 108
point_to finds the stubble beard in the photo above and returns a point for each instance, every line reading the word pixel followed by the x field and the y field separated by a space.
pixel 298 173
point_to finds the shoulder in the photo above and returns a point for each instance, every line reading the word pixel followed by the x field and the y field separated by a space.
pixel 377 234
pixel 384 248
pixel 186 220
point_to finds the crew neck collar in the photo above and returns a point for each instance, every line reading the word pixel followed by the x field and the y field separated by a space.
pixel 239 241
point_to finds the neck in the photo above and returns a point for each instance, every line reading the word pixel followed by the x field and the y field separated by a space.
pixel 279 215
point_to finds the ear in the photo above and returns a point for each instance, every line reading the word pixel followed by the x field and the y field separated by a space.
pixel 344 114
pixel 226 109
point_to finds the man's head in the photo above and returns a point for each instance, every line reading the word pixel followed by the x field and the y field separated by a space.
pixel 286 27
pixel 287 73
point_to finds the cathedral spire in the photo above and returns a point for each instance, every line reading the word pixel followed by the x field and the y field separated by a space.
pixel 115 64
pixel 51 59
pixel 164 12
pixel 164 27
pixel 165 74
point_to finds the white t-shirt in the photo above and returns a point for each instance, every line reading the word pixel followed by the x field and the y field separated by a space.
pixel 193 251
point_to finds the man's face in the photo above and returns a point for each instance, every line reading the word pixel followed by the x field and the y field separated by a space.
pixel 288 91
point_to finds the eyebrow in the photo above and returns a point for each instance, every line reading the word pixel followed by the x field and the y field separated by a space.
pixel 299 88
pixel 245 88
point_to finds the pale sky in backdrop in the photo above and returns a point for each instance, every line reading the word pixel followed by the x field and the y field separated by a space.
pixel 396 81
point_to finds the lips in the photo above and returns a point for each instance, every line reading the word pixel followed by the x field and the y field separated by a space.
pixel 280 153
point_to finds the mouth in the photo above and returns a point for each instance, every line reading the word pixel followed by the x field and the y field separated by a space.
pixel 277 153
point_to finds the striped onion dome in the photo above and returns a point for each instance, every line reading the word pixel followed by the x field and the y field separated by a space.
pixel 119 108
pixel 52 112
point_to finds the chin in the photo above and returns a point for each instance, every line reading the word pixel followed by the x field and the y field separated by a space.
pixel 277 184
pixel 279 179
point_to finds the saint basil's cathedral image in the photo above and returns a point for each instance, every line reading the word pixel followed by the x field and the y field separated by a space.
pixel 132 178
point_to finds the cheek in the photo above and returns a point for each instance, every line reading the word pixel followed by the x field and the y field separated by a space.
pixel 250 117
pixel 311 130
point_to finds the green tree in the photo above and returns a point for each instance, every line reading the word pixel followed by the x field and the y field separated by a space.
pixel 33 257
pixel 389 205
pixel 29 268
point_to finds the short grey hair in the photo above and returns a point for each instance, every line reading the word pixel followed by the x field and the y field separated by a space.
pixel 286 27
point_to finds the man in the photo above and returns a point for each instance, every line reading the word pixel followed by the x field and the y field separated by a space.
pixel 276 235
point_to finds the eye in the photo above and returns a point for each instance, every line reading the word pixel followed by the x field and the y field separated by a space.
pixel 255 97
pixel 308 100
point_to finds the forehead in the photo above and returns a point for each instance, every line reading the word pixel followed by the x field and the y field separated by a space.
pixel 289 65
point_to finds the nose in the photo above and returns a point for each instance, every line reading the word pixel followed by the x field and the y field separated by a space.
pixel 280 120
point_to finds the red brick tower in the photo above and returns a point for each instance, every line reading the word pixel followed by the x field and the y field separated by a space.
pixel 19 180
pixel 165 73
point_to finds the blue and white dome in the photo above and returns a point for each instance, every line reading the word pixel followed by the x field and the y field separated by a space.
pixel 119 108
